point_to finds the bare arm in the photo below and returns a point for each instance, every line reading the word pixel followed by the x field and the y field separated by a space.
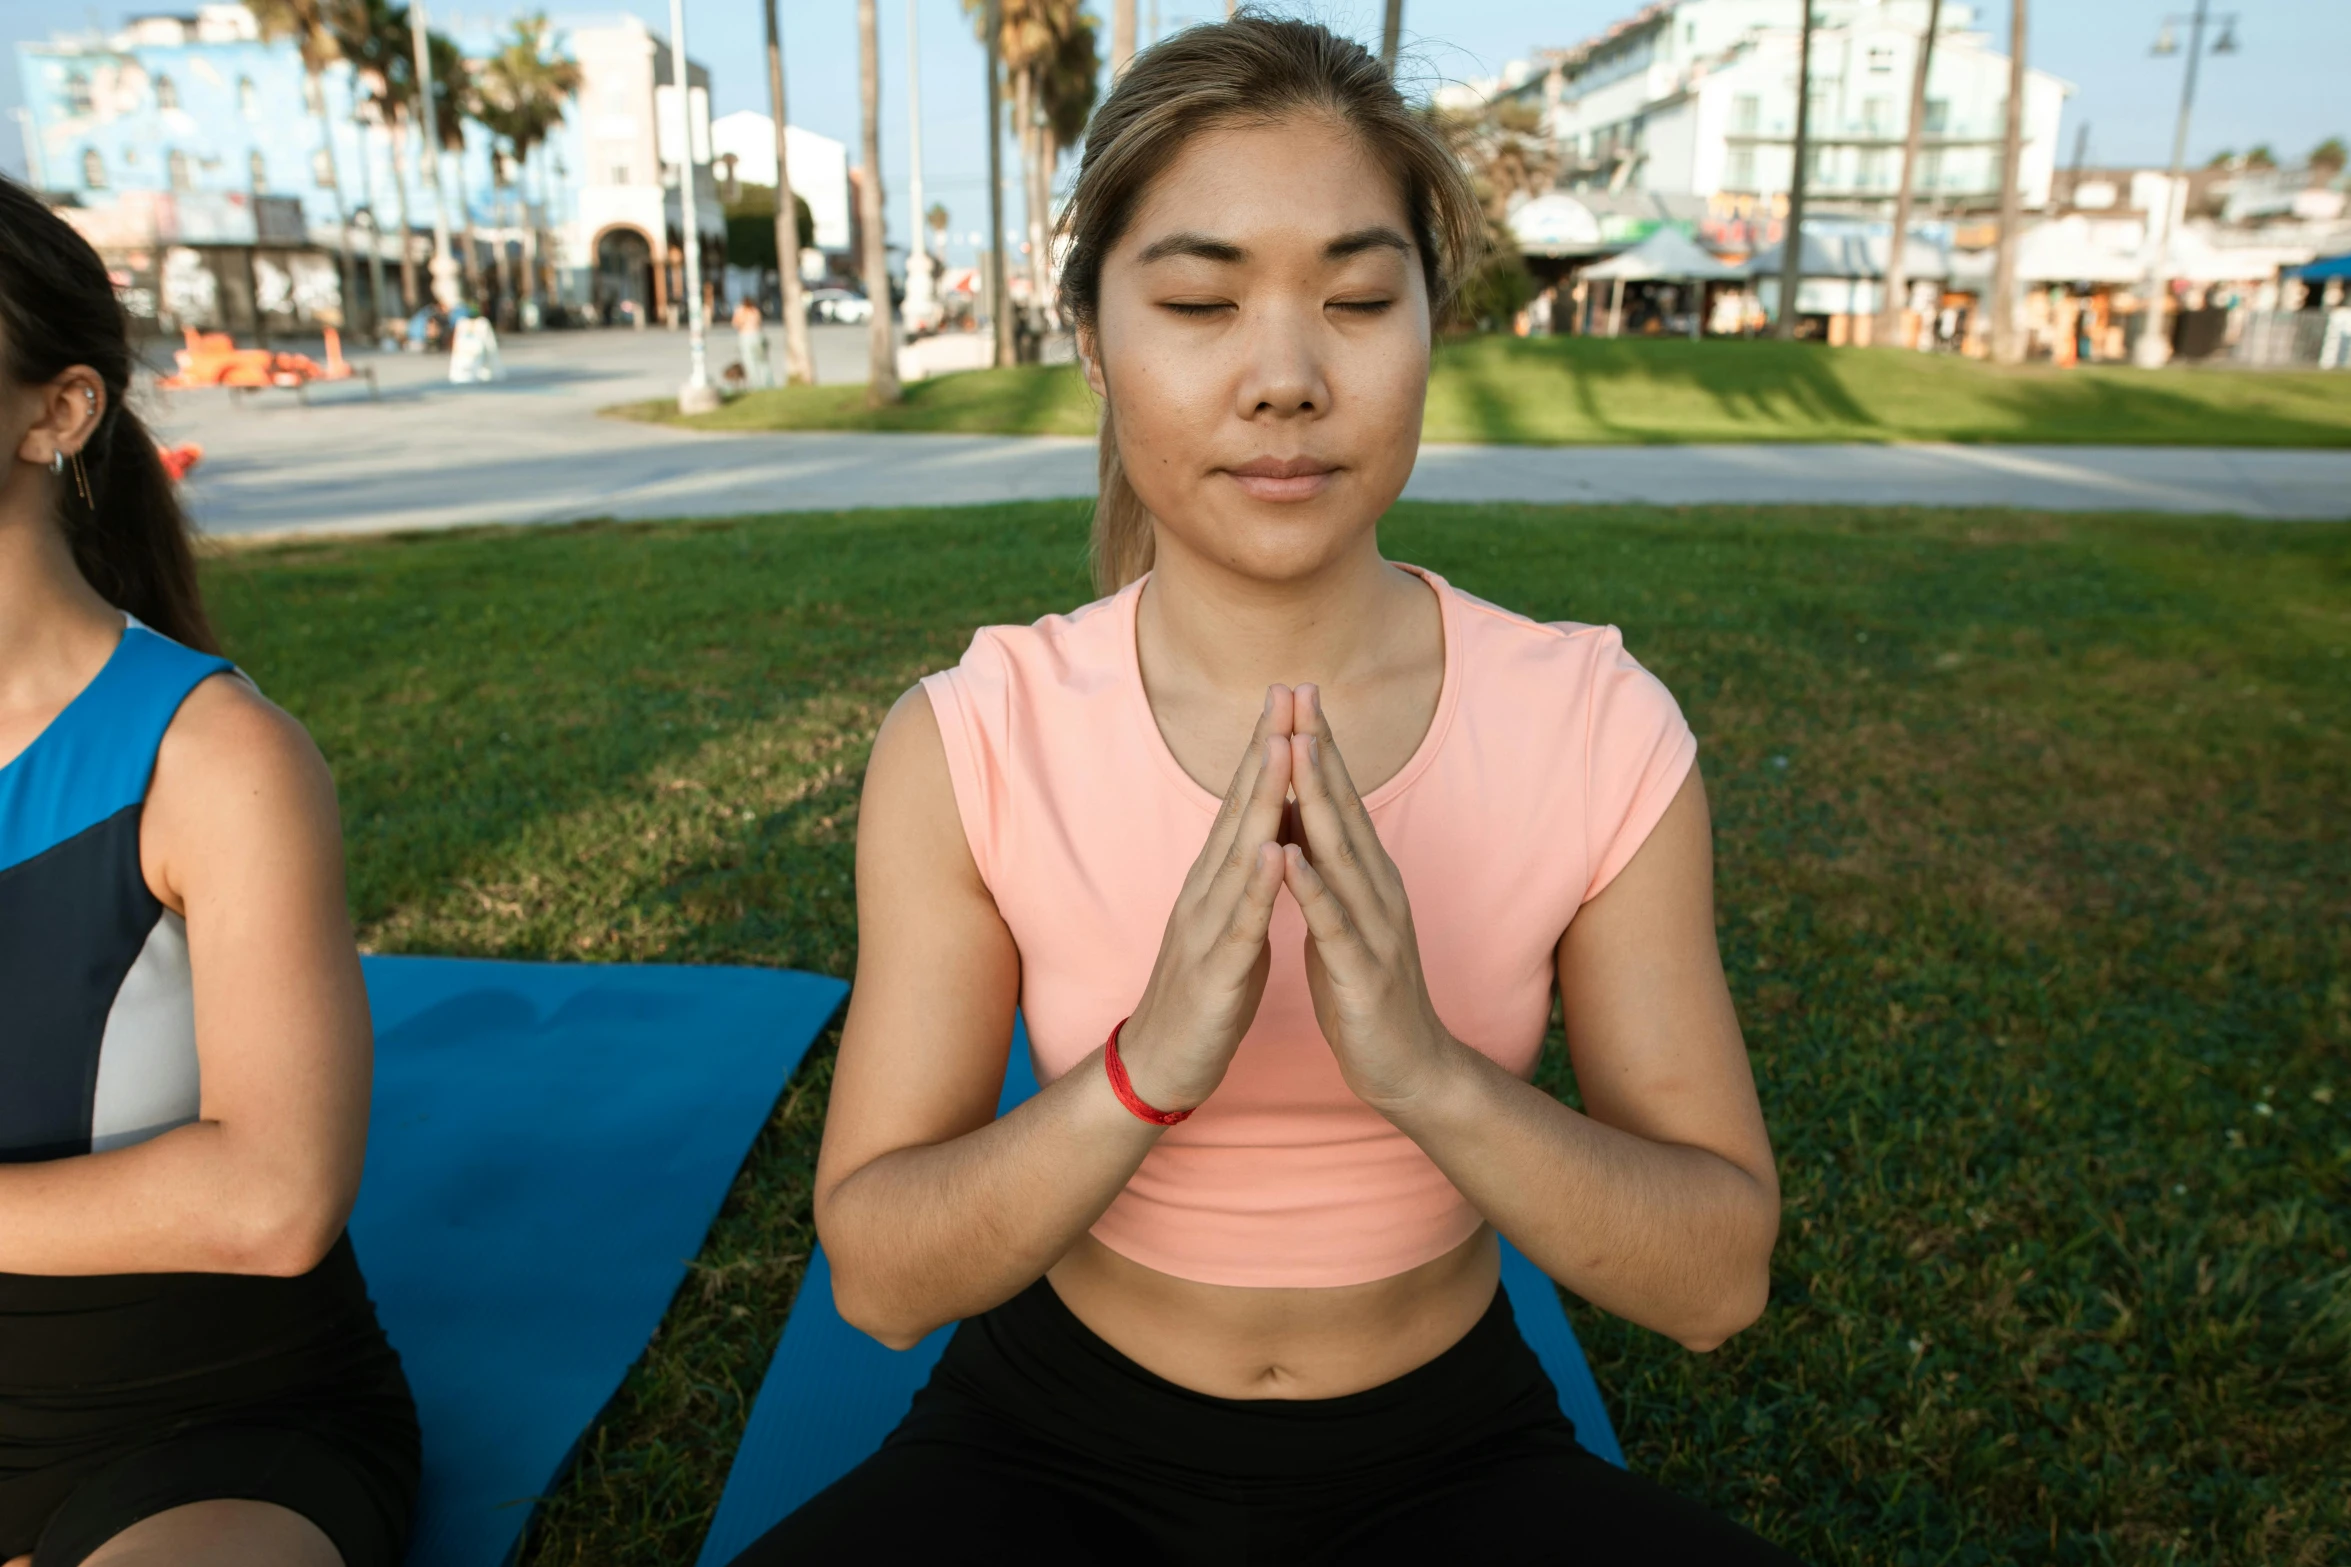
pixel 1661 1203
pixel 929 1208
pixel 240 836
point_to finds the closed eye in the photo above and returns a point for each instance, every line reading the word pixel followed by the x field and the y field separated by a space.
pixel 1194 310
pixel 1367 307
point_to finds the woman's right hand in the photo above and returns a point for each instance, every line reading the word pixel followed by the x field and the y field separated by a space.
pixel 1210 973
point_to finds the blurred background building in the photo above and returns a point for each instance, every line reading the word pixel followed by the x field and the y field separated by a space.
pixel 224 182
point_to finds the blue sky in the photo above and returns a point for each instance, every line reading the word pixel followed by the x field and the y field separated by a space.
pixel 2285 86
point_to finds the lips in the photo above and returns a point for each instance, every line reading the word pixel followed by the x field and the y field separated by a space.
pixel 1283 478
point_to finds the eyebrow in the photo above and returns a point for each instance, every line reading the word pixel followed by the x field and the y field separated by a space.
pixel 1207 247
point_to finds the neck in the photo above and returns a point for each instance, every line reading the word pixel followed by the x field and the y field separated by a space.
pixel 50 617
pixel 1240 634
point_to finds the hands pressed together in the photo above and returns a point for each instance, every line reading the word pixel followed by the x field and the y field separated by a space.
pixel 1362 959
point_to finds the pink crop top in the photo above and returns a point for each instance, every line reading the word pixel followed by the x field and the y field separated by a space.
pixel 1551 756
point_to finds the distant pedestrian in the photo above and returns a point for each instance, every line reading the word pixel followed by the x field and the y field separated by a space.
pixel 751 344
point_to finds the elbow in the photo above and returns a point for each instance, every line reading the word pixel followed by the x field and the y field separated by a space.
pixel 863 1310
pixel 1736 1312
pixel 283 1240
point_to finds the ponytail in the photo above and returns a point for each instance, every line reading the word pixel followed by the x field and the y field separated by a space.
pixel 130 538
pixel 1123 541
pixel 132 541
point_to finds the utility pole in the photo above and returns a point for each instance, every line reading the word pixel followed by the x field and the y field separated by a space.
pixel 2154 345
pixel 999 313
pixel 697 395
pixel 881 375
pixel 1897 285
pixel 1122 35
pixel 2007 340
pixel 1792 236
pixel 444 264
pixel 1391 34
pixel 799 366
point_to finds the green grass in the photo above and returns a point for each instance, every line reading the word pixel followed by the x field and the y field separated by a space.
pixel 1579 391
pixel 2035 897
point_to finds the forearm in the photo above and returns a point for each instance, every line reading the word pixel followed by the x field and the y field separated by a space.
pixel 927 1235
pixel 198 1199
pixel 1673 1237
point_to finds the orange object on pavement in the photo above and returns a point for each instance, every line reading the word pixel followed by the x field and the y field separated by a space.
pixel 178 460
pixel 214 359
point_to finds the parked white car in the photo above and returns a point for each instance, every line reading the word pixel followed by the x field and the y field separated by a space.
pixel 839 304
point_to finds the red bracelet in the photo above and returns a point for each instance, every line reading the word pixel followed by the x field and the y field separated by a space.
pixel 1125 1090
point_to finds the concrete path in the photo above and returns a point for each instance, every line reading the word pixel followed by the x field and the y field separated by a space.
pixel 532 449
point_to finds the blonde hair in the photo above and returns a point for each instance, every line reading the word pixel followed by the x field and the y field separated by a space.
pixel 1251 70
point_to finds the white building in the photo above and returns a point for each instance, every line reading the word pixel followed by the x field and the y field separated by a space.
pixel 820 168
pixel 1698 98
pixel 623 130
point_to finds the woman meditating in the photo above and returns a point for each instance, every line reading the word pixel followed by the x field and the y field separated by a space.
pixel 1283 851
pixel 191 1374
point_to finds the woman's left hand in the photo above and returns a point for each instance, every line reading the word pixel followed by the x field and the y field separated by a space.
pixel 1362 957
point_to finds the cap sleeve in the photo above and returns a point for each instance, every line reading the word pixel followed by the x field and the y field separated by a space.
pixel 1639 749
pixel 973 704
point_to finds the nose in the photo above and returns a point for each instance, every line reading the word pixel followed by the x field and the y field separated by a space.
pixel 1282 373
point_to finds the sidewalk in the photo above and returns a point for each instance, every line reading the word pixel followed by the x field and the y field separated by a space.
pixel 532 449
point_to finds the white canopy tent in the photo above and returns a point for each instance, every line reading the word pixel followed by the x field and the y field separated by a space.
pixel 1666 256
pixel 2064 250
pixel 1841 269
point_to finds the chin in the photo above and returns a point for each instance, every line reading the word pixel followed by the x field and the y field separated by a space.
pixel 1284 543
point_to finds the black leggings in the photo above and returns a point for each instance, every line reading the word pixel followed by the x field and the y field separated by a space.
pixel 1035 1441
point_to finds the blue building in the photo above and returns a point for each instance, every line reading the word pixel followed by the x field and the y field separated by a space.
pixel 179 139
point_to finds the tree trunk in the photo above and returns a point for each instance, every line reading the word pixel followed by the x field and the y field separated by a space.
pixel 400 189
pixel 999 311
pixel 1792 237
pixel 509 302
pixel 1890 308
pixel 1391 34
pixel 881 379
pixel 799 364
pixel 1122 35
pixel 1038 199
pixel 346 271
pixel 2007 340
pixel 1048 164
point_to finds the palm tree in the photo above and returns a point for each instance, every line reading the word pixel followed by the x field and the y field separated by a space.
pixel 1051 60
pixel 373 36
pixel 799 363
pixel 881 378
pixel 1067 85
pixel 2007 338
pixel 521 94
pixel 453 105
pixel 1897 288
pixel 305 22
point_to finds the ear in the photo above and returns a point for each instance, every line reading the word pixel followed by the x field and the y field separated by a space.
pixel 1090 355
pixel 66 415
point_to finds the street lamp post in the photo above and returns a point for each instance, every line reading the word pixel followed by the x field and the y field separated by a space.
pixel 2154 347
pixel 697 395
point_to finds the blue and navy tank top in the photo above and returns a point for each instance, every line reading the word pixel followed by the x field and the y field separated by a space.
pixel 98 1036
pixel 98 1051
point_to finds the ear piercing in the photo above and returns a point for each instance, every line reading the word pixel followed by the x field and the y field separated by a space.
pixel 81 477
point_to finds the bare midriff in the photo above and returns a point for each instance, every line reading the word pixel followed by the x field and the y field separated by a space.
pixel 1231 1342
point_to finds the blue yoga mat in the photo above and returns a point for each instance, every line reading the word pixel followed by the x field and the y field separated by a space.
pixel 831 1394
pixel 549 1145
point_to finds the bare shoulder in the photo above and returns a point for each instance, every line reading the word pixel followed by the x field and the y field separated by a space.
pixel 228 738
pixel 909 800
pixel 237 777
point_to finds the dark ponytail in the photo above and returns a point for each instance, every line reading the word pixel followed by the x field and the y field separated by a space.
pixel 58 310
